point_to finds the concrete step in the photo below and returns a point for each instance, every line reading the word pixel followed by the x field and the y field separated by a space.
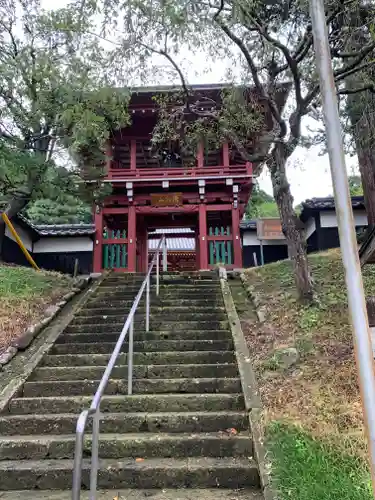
pixel 140 386
pixel 117 316
pixel 164 325
pixel 62 373
pixel 126 294
pixel 150 473
pixel 164 285
pixel 139 494
pixel 154 310
pixel 145 445
pixel 142 403
pixel 144 346
pixel 140 358
pixel 85 336
pixel 175 281
pixel 155 301
pixel 120 423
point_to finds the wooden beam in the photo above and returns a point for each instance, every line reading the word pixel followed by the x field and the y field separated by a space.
pixel 220 238
pixel 172 235
pixel 114 241
pixel 115 210
pixel 219 208
pixel 166 210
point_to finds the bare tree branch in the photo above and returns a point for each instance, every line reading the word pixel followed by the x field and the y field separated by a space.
pixel 175 66
pixel 9 30
pixel 5 135
pixel 254 73
pixel 307 39
pixel 370 87
pixel 354 64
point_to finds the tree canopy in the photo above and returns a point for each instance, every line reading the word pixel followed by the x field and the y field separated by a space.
pixel 355 185
pixel 58 104
pixel 261 204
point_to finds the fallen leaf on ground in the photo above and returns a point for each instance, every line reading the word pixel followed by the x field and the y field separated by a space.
pixel 139 459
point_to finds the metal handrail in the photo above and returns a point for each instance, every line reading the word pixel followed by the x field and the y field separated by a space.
pixel 95 405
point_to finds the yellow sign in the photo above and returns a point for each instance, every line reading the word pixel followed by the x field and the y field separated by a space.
pixel 269 229
pixel 166 200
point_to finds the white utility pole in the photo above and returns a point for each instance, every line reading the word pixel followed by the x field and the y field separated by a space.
pixel 344 213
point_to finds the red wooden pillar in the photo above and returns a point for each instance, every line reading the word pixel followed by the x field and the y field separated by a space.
pixel 237 250
pixel 203 249
pixel 132 240
pixel 98 241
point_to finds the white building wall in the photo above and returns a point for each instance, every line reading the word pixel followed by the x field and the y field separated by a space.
pixel 310 227
pixel 329 219
pixel 250 239
pixel 26 240
pixel 63 245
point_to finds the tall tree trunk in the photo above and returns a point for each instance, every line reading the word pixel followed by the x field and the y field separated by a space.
pixel 361 109
pixel 366 160
pixel 291 224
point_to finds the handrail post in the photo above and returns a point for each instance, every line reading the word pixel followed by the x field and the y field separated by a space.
pixel 130 358
pixel 94 409
pixel 157 273
pixel 78 452
pixel 165 262
pixel 94 454
pixel 148 305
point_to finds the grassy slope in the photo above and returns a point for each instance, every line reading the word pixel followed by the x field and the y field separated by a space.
pixel 25 294
pixel 312 411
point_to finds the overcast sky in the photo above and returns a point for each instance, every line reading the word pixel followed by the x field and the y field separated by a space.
pixel 308 172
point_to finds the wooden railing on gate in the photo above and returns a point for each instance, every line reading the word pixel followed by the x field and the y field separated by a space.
pixel 115 249
pixel 220 245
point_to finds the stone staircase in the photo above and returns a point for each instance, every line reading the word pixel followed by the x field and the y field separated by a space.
pixel 184 427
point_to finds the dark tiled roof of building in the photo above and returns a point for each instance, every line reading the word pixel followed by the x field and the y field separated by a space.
pixel 249 225
pixel 65 229
pixel 328 203
pixel 57 229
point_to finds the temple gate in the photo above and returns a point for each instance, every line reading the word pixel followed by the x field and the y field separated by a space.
pixel 205 193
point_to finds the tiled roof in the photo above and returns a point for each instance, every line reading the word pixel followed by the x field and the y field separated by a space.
pixel 176 244
pixel 58 229
pixel 249 225
pixel 328 203
pixel 65 229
